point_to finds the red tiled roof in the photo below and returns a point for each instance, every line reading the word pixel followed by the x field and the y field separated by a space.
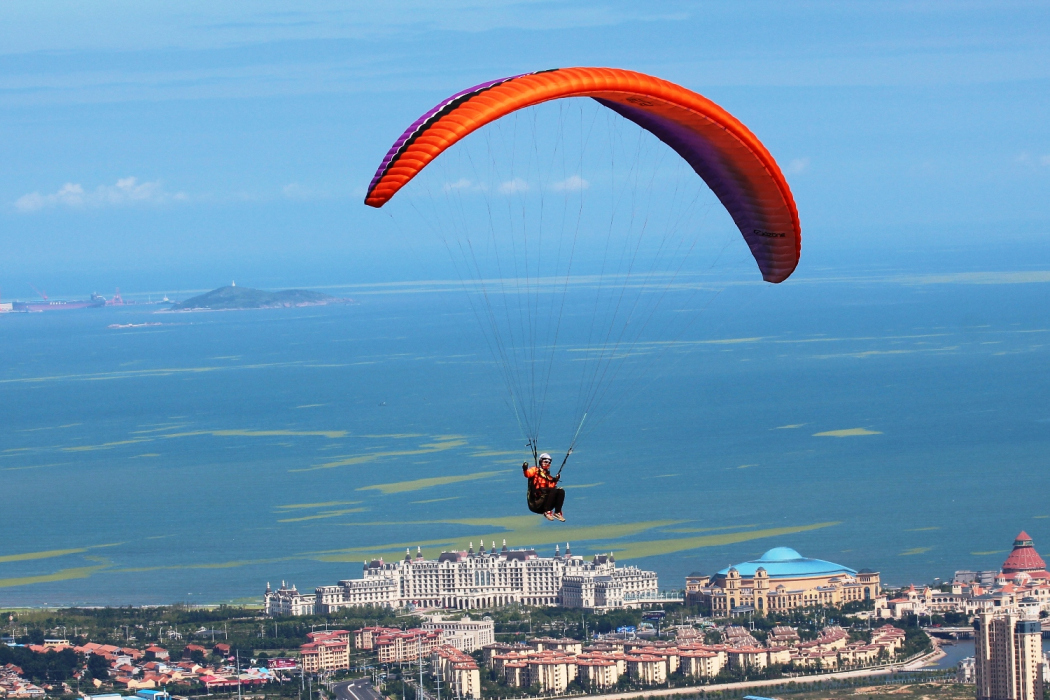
pixel 1023 557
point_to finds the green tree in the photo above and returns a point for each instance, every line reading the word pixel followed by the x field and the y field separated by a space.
pixel 98 667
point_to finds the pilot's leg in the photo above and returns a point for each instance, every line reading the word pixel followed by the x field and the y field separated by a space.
pixel 557 500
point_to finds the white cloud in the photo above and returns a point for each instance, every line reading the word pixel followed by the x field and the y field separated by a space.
pixel 305 193
pixel 127 190
pixel 573 183
pixel 798 165
pixel 1026 158
pixel 513 186
pixel 293 190
pixel 460 184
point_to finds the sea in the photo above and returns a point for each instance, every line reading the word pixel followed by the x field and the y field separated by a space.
pixel 890 417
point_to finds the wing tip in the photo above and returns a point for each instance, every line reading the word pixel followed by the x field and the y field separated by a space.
pixel 778 276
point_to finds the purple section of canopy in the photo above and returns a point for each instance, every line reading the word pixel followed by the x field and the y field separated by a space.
pixel 728 183
pixel 418 124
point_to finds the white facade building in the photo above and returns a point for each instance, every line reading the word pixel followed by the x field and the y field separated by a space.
pixel 464 634
pixel 604 587
pixel 286 600
pixel 357 593
pixel 487 579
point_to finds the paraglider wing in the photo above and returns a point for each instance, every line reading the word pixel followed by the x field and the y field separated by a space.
pixel 722 151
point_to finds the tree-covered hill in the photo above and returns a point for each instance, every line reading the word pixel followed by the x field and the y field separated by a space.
pixel 232 297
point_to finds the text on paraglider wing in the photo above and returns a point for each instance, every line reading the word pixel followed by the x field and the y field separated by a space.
pixel 767 234
pixel 640 101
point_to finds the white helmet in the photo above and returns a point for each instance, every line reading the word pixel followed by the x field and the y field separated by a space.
pixel 545 456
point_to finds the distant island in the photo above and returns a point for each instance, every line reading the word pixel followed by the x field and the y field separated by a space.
pixel 232 298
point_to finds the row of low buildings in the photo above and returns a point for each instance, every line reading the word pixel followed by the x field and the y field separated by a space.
pixel 1022 576
pixel 551 664
pixel 465 634
pixel 476 580
pixel 330 650
pixel 13 685
pixel 782 580
pixel 145 670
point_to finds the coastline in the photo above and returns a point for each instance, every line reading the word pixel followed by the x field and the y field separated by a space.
pixel 259 308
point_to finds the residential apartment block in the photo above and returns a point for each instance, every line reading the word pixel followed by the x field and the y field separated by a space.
pixel 458 672
pixel 326 651
pixel 1008 655
pixel 464 633
pixel 392 645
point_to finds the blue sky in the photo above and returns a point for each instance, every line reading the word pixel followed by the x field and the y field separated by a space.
pixel 179 145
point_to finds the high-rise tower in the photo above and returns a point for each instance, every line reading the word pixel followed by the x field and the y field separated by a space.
pixel 1008 653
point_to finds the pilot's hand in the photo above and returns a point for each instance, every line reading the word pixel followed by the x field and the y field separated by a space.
pixel 525 464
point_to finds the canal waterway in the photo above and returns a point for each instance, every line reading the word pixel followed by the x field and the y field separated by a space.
pixel 963 648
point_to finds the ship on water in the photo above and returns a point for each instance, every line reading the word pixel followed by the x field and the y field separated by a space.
pixel 57 304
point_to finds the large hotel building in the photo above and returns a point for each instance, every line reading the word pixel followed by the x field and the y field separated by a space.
pixel 473 580
pixel 780 580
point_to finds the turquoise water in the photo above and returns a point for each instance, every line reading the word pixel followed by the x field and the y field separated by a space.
pixel 891 420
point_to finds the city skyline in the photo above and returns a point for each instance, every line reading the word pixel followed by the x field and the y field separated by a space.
pixel 882 407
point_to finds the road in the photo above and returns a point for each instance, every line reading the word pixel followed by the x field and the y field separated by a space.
pixel 358 689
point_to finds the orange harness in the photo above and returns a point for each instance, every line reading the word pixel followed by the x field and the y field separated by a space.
pixel 539 478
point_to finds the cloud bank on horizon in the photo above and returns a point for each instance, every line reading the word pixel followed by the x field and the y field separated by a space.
pixel 127 190
pixel 886 118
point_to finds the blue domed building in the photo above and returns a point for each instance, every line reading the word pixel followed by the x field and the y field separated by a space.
pixel 782 580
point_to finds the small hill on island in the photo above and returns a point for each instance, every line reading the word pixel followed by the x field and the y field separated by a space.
pixel 229 298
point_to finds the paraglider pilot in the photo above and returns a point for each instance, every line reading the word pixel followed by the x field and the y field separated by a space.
pixel 544 495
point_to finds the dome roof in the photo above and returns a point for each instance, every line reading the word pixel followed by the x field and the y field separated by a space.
pixel 785 562
pixel 780 554
pixel 1023 558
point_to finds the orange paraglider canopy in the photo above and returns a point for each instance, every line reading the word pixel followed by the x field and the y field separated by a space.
pixel 722 151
